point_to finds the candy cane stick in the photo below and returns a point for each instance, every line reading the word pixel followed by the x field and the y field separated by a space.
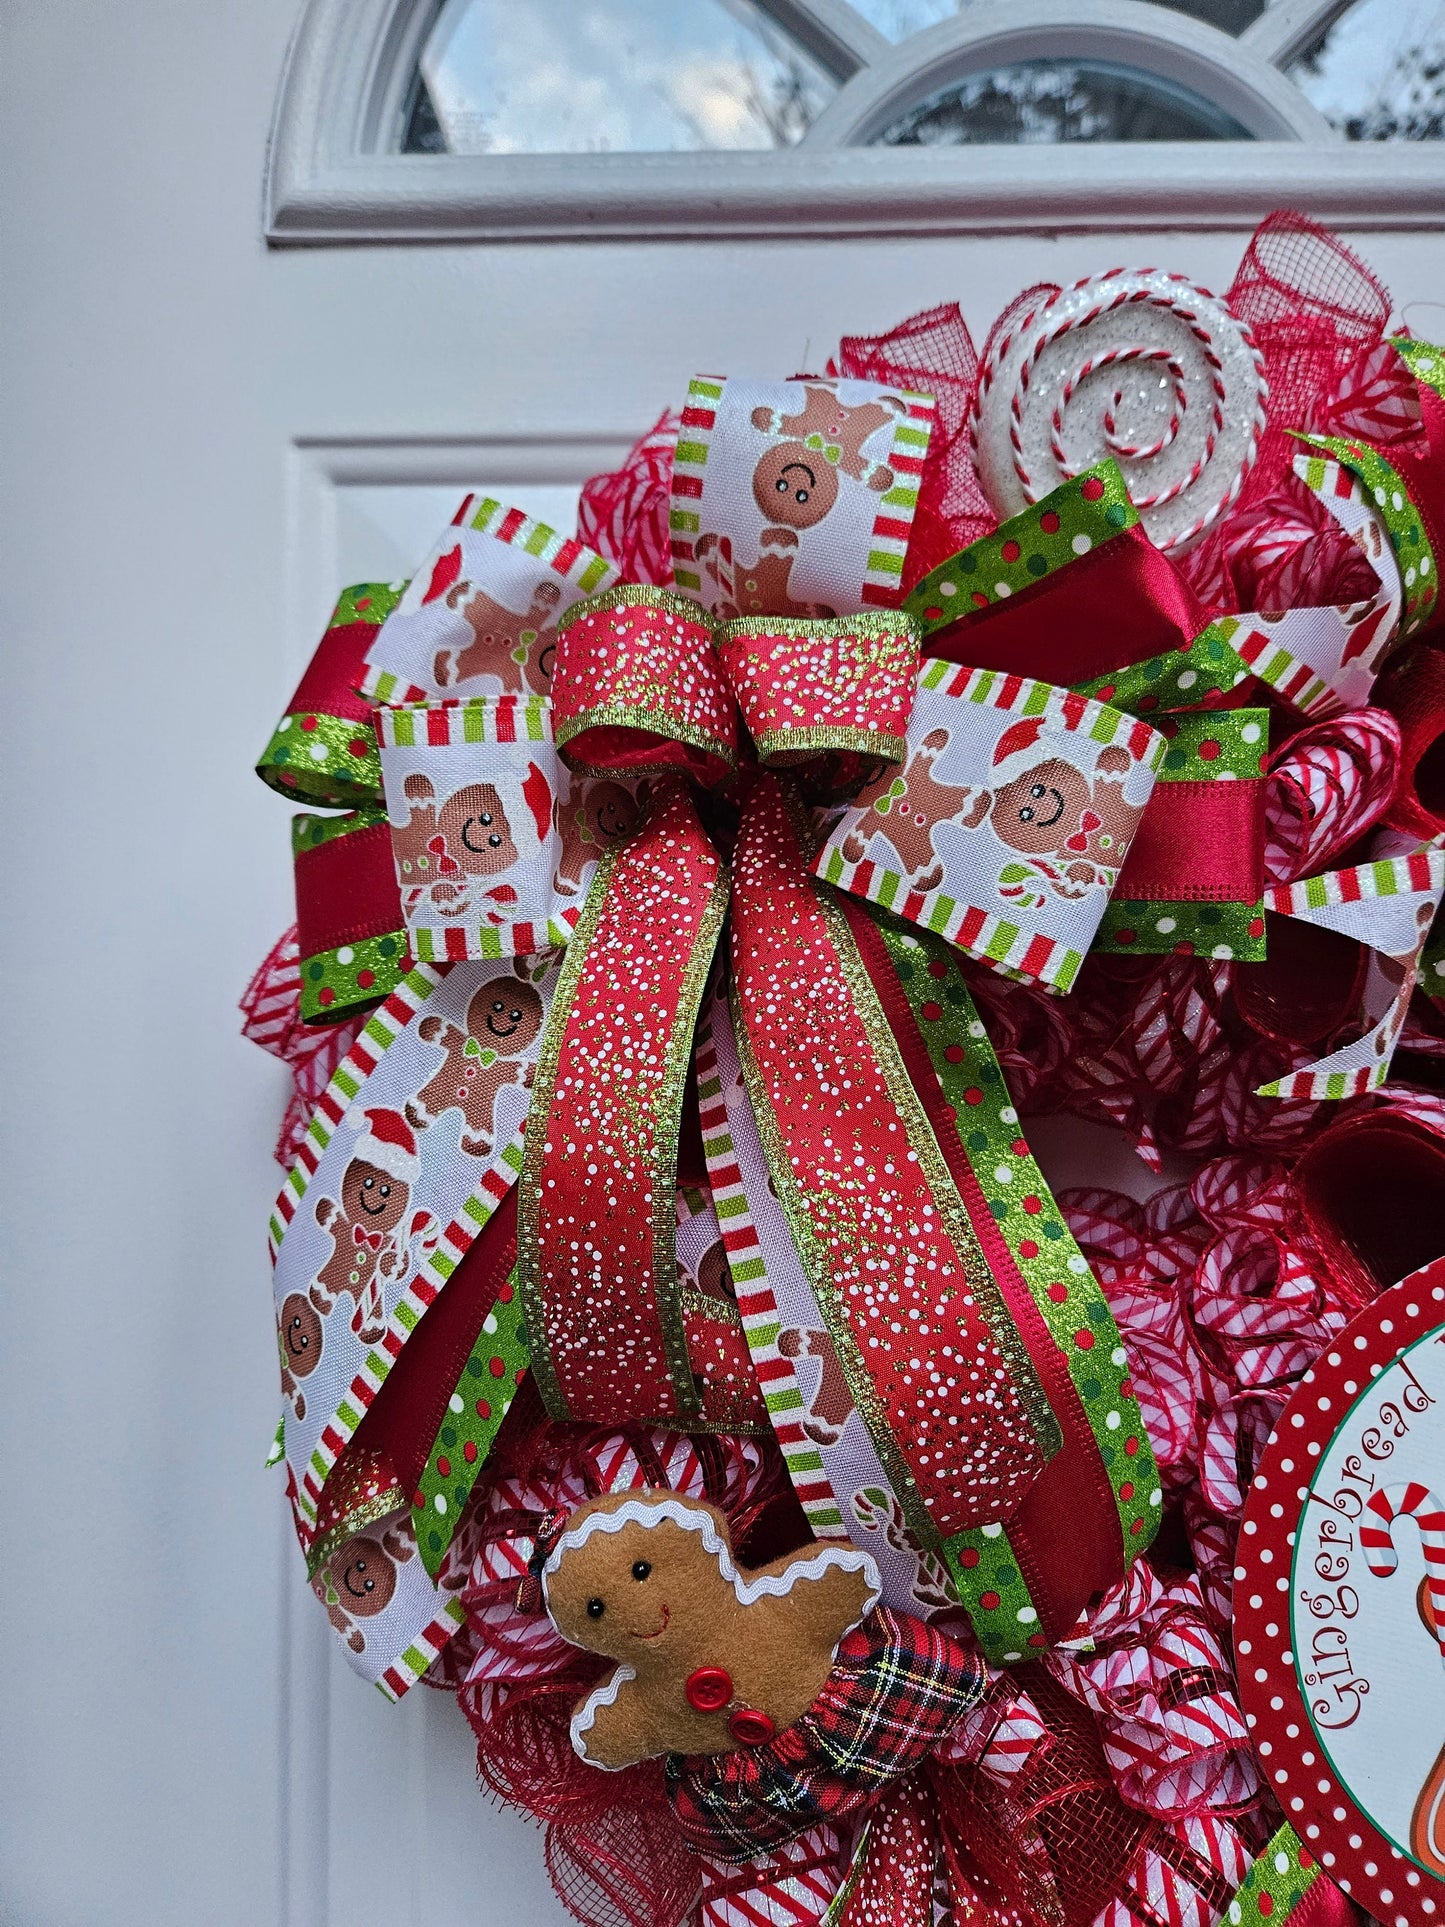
pixel 1411 1501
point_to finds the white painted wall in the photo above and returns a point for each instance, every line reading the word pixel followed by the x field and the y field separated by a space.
pixel 200 441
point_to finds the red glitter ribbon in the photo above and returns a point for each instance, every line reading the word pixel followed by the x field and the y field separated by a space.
pixel 643 680
pixel 636 685
pixel 596 1227
pixel 936 1366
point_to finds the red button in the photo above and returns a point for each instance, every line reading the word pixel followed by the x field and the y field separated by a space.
pixel 709 1689
pixel 750 1728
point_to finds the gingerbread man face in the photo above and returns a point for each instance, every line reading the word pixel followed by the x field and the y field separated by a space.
pixel 621 1588
pixel 611 813
pixel 467 836
pixel 1055 810
pixel 794 485
pixel 363 1574
pixel 708 1658
pixel 1041 809
pixel 302 1334
pixel 372 1198
pixel 510 1014
pixel 475 832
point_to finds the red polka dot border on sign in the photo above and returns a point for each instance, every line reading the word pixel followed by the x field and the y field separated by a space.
pixel 1316 1802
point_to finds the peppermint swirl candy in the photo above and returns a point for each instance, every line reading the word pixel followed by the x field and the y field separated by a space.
pixel 1138 365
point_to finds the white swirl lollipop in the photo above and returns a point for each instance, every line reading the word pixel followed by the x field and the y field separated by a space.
pixel 1135 364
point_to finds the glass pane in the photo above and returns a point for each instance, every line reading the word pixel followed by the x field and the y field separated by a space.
pixel 1379 72
pixel 897 19
pixel 1038 101
pixel 619 76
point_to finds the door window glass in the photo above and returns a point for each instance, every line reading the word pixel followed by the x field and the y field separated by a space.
pixel 610 76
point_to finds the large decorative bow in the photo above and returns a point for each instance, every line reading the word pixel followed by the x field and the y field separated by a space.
pixel 582 781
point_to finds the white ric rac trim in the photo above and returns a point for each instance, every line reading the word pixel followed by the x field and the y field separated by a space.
pixel 693 1519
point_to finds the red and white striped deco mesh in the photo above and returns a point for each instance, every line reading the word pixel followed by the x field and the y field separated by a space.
pixel 271 1017
pixel 1138 365
pixel 790 1887
pixel 1162 1690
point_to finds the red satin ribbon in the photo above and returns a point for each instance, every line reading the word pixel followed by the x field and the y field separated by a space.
pixel 1371 1192
pixel 1198 842
pixel 328 684
pixel 346 891
pixel 1412 688
pixel 906 1300
pixel 1125 599
pixel 405 1416
pixel 1065 1534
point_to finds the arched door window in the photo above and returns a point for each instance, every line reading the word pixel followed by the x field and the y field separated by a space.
pixel 494 117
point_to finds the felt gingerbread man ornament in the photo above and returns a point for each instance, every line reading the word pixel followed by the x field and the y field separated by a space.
pixel 709 1659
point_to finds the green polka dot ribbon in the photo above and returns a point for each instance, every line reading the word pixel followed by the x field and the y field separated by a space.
pixel 323 750
pixel 479 1401
pixel 338 980
pixel 1057 530
pixel 1229 745
pixel 982 1563
pixel 1199 676
pixel 1276 1884
pixel 1387 490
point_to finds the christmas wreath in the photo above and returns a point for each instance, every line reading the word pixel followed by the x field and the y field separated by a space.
pixel 685 1362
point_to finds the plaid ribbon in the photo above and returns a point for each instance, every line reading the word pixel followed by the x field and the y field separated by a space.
pixel 896 1688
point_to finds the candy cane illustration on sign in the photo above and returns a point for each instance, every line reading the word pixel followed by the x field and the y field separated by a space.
pixel 1411 1500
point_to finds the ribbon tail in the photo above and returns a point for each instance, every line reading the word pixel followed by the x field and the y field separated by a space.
pixel 1388 905
pixel 892 1878
pixel 597 1261
pixel 837 1474
pixel 878 1226
pixel 406 1065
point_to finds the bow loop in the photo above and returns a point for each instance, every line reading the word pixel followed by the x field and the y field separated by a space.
pixel 637 687
pixel 839 683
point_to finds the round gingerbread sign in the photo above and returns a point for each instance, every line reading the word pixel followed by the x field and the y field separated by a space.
pixel 1339 1604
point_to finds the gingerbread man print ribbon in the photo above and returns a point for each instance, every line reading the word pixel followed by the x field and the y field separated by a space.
pixel 479 617
pixel 796 498
pixel 1007 827
pixel 416 1142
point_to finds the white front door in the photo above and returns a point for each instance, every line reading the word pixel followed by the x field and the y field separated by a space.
pixel 203 441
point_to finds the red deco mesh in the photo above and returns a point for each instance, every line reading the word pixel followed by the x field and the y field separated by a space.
pixel 628 1868
pixel 1056 1847
pixel 624 514
pixel 613 1851
pixel 933 352
pixel 1316 311
pixel 1314 307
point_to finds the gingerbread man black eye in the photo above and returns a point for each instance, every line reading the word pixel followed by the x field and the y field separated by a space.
pixel 1028 814
pixel 383 1191
pixel 640 1568
pixel 788 481
pixel 595 1608
pixel 368 1584
pixel 493 840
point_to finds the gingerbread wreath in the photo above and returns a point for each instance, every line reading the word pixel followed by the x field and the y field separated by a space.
pixel 684 1359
